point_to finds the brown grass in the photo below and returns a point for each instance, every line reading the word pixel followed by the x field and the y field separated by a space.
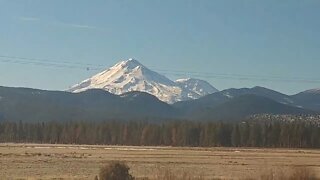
pixel 297 173
pixel 42 161
pixel 303 173
pixel 167 174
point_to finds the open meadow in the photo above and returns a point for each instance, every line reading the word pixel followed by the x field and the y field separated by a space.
pixel 43 161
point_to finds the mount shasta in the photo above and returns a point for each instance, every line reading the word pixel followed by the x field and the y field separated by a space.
pixel 131 75
pixel 130 91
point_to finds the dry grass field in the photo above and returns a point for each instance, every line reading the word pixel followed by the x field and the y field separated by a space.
pixel 35 161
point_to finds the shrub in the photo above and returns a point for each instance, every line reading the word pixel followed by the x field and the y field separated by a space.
pixel 115 171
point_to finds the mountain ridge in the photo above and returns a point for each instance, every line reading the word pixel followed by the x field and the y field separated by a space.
pixel 305 100
pixel 34 105
pixel 245 105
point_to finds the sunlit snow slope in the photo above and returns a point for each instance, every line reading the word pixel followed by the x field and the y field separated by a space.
pixel 131 75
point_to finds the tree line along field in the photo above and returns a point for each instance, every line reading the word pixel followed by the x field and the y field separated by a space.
pixel 269 134
pixel 48 161
pixel 207 150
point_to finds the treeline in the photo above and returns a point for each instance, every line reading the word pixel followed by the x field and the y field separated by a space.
pixel 178 133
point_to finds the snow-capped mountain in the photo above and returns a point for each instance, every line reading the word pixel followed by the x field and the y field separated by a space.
pixel 130 75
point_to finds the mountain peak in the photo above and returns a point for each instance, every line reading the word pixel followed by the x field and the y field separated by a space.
pixel 259 87
pixel 131 63
pixel 131 75
pixel 198 86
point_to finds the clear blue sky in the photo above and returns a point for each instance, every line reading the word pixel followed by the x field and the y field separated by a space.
pixel 230 43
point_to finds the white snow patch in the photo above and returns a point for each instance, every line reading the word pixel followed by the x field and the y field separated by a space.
pixel 42 147
pixel 289 100
pixel 84 148
pixel 36 93
pixel 61 147
pixel 198 87
pixel 227 94
pixel 129 149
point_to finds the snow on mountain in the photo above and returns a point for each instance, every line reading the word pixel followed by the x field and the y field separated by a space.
pixel 200 87
pixel 131 75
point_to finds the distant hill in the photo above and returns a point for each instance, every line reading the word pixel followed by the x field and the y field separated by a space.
pixel 306 100
pixel 39 105
pixel 35 105
pixel 246 105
